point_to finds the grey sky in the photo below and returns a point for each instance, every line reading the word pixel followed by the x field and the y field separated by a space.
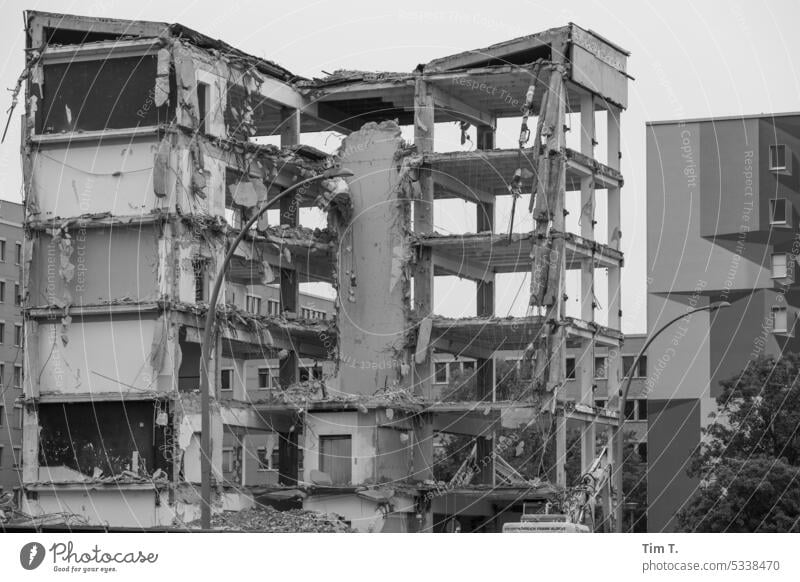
pixel 690 59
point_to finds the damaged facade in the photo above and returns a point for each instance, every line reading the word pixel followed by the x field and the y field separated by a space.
pixel 141 157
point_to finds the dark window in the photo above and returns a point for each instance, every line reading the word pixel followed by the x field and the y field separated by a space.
pixel 642 408
pixel 17 335
pixel 641 450
pixel 2 250
pixel 778 211
pixel 2 291
pixel 199 266
pixel 600 403
pixel 226 380
pixel 107 93
pixel 469 366
pixel 2 332
pixel 335 458
pixel 440 373
pixel 263 459
pixel 777 157
pixel 202 105
pixel 17 298
pixel 630 410
pixel 600 371
pixel 18 258
pixel 2 414
pixel 17 376
pixel 570 368
pixel 263 378
pixel 274 458
pixel 641 369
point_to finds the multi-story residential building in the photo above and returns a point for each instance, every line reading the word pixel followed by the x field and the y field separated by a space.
pixel 10 346
pixel 142 161
pixel 722 200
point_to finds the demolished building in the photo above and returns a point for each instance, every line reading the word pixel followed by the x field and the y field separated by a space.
pixel 142 157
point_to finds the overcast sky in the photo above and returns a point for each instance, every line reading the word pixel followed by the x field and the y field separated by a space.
pixel 690 59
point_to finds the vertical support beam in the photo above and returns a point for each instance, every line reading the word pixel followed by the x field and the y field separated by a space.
pixel 615 305
pixel 614 236
pixel 586 369
pixel 561 449
pixel 290 216
pixel 290 136
pixel 485 368
pixel 614 219
pixel 423 224
pixel 587 206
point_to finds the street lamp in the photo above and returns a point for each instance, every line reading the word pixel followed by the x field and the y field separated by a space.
pixel 618 434
pixel 209 335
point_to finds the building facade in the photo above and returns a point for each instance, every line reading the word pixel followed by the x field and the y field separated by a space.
pixel 130 202
pixel 722 200
pixel 11 358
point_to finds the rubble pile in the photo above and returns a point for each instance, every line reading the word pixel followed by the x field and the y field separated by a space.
pixel 268 519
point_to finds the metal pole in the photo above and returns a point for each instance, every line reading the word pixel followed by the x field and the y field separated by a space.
pixel 618 434
pixel 209 335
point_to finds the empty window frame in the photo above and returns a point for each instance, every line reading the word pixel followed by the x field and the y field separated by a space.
pixel 228 459
pixel 203 100
pixel 641 368
pixel 570 368
pixel 107 93
pixel 17 334
pixel 273 307
pixel 226 379
pixel 253 304
pixel 600 371
pixel 440 371
pixel 199 270
pixel 778 157
pixel 779 209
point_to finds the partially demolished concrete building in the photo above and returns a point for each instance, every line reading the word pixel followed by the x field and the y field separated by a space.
pixel 142 158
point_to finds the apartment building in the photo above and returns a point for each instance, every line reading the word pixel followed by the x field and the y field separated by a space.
pixel 10 346
pixel 722 200
pixel 137 180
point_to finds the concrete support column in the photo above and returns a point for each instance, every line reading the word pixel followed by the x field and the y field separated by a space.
pixel 423 223
pixel 485 368
pixel 561 449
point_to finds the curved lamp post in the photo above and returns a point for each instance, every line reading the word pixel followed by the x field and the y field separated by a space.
pixel 209 335
pixel 618 434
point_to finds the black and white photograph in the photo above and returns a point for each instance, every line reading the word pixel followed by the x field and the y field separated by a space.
pixel 314 267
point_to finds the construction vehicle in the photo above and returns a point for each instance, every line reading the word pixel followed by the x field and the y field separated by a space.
pixel 578 504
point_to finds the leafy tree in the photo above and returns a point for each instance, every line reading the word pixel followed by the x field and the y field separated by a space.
pixel 748 463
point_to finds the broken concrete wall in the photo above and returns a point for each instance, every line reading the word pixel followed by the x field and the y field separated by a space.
pixel 122 507
pixel 87 270
pixel 85 178
pixel 100 356
pixel 371 265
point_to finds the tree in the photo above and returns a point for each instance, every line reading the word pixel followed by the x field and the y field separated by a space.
pixel 748 463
